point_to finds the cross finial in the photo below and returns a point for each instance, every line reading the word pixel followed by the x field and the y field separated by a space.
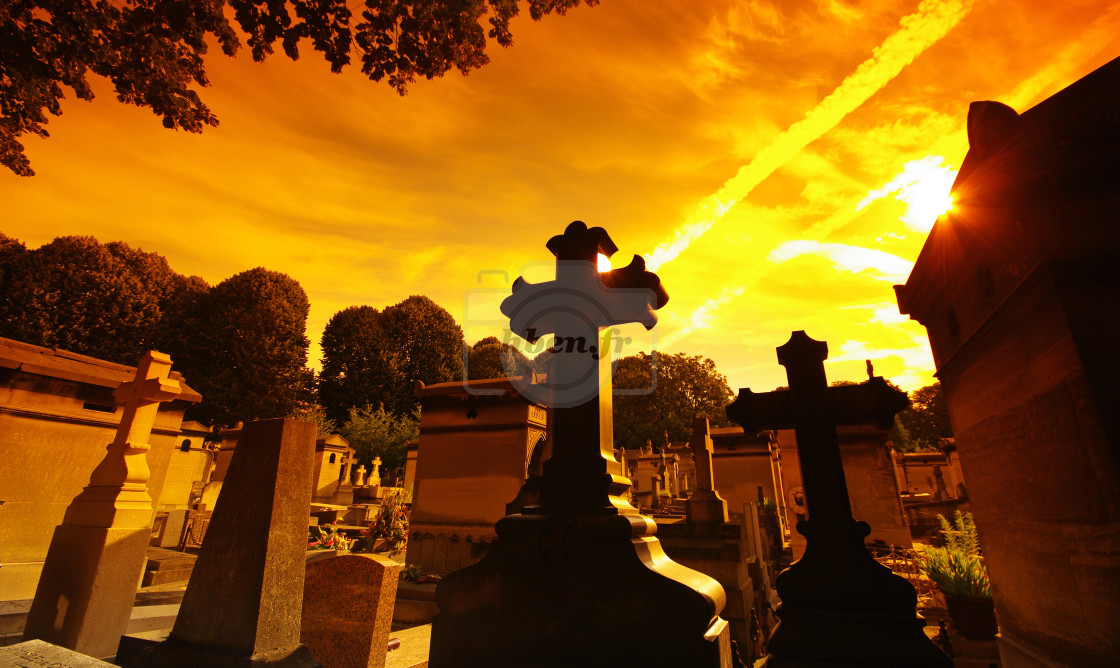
pixel 578 242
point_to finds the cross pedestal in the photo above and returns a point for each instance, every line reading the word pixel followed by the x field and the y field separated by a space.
pixel 839 606
pixel 85 593
pixel 573 580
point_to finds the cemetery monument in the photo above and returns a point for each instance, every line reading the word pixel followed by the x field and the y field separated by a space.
pixel 571 579
pixel 85 594
pixel 839 606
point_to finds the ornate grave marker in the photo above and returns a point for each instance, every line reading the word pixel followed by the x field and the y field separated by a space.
pixel 242 606
pixel 571 581
pixel 85 594
pixel 839 606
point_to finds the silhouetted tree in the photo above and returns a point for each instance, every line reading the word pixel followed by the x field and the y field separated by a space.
pixel 490 358
pixel 925 423
pixel 106 301
pixel 426 344
pixel 359 368
pixel 316 415
pixel 245 348
pixel 372 358
pixel 153 51
pixel 671 390
pixel 10 250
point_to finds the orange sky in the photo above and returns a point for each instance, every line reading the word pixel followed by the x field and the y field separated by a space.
pixel 650 119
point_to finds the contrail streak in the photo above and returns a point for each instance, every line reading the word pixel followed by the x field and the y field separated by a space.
pixel 917 32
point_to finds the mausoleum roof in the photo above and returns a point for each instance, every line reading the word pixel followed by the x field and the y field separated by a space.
pixel 487 388
pixel 65 365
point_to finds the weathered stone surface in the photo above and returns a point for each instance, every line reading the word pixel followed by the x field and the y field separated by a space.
pixel 348 609
pixel 41 654
pixel 1018 287
pixel 243 604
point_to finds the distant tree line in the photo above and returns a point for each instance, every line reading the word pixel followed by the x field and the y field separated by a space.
pixel 242 344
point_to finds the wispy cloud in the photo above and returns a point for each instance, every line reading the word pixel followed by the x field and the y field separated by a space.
pixel 854 259
pixel 917 32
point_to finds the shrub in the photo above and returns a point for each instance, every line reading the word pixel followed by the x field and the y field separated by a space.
pixel 958 569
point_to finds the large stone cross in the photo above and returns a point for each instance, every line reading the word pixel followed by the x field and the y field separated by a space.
pixel 84 597
pixel 839 606
pixel 576 307
pixel 117 495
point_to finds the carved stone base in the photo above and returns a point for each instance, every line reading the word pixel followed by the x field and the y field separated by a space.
pixel 842 608
pixel 85 594
pixel 578 589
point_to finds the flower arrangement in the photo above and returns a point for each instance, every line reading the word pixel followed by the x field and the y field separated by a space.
pixel 389 530
pixel 957 568
pixel 327 537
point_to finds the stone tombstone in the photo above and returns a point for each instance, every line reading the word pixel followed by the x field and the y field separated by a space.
pixel 242 606
pixel 360 477
pixel 375 473
pixel 348 608
pixel 572 578
pixel 479 449
pixel 839 606
pixel 84 597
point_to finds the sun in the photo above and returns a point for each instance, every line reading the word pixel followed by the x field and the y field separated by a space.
pixel 923 185
pixel 604 263
pixel 925 190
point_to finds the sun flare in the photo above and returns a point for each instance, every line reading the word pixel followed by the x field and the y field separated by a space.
pixel 924 186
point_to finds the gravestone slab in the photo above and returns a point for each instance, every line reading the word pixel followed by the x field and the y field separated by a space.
pixel 242 606
pixel 348 609
pixel 41 654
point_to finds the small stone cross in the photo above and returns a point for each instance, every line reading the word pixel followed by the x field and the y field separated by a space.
pixel 701 446
pixel 705 505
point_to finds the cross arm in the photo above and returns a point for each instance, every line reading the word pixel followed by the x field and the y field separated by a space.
pixel 870 402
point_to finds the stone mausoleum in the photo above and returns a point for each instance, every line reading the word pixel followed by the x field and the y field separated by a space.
pixel 1019 288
